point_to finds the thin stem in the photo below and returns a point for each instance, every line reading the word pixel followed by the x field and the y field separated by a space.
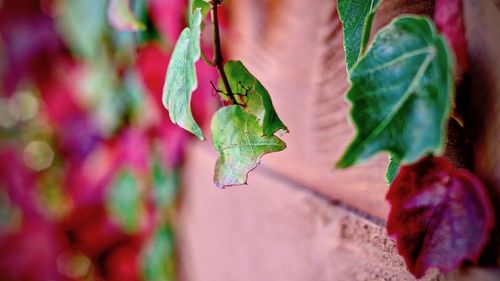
pixel 218 59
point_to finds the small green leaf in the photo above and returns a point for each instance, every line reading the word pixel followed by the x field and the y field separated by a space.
pixel 165 186
pixel 238 138
pixel 180 81
pixel 256 98
pixel 357 17
pixel 392 169
pixel 124 202
pixel 83 26
pixel 401 93
pixel 203 5
pixel 121 17
pixel 158 258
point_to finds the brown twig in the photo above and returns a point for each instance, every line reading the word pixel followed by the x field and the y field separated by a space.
pixel 218 60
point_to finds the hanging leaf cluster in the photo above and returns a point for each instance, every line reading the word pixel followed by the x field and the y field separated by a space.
pixel 243 131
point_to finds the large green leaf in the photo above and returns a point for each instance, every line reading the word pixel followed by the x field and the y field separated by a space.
pixel 238 138
pixel 180 81
pixel 357 17
pixel 401 91
pixel 254 95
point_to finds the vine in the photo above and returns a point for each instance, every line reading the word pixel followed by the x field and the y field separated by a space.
pixel 242 132
pixel 402 95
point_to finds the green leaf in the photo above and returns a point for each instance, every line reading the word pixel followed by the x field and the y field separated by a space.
pixel 392 169
pixel 121 17
pixel 254 95
pixel 203 5
pixel 238 138
pixel 124 202
pixel 83 26
pixel 401 93
pixel 158 258
pixel 165 186
pixel 180 81
pixel 357 17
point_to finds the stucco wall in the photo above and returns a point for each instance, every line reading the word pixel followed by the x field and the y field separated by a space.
pixel 299 219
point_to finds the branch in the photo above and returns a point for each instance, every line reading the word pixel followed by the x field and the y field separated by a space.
pixel 218 59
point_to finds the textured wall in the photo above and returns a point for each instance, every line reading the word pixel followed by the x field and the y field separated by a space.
pixel 299 219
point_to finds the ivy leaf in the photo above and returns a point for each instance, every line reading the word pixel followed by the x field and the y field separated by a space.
pixel 180 81
pixel 124 202
pixel 238 138
pixel 401 91
pixel 257 98
pixel 121 17
pixel 165 186
pixel 357 17
pixel 392 169
pixel 83 25
pixel 440 216
pixel 158 258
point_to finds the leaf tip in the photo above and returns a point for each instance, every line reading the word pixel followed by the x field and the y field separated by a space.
pixel 344 162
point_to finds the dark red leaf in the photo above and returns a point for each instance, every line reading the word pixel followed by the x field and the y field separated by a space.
pixel 440 215
pixel 29 254
pixel 151 64
pixel 30 43
pixel 18 181
pixel 123 262
pixel 449 20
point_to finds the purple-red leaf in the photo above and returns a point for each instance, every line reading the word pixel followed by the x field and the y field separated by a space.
pixel 440 215
pixel 169 17
pixel 449 20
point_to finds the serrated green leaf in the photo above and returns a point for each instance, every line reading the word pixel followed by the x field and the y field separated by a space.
pixel 392 169
pixel 123 202
pixel 256 98
pixel 357 17
pixel 401 93
pixel 180 81
pixel 238 138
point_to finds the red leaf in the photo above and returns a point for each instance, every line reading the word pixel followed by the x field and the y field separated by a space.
pixel 30 254
pixel 440 215
pixel 169 17
pixel 449 20
pixel 18 181
pixel 30 43
pixel 151 64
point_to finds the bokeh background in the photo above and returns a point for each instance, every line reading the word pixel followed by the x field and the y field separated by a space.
pixel 97 184
pixel 90 162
